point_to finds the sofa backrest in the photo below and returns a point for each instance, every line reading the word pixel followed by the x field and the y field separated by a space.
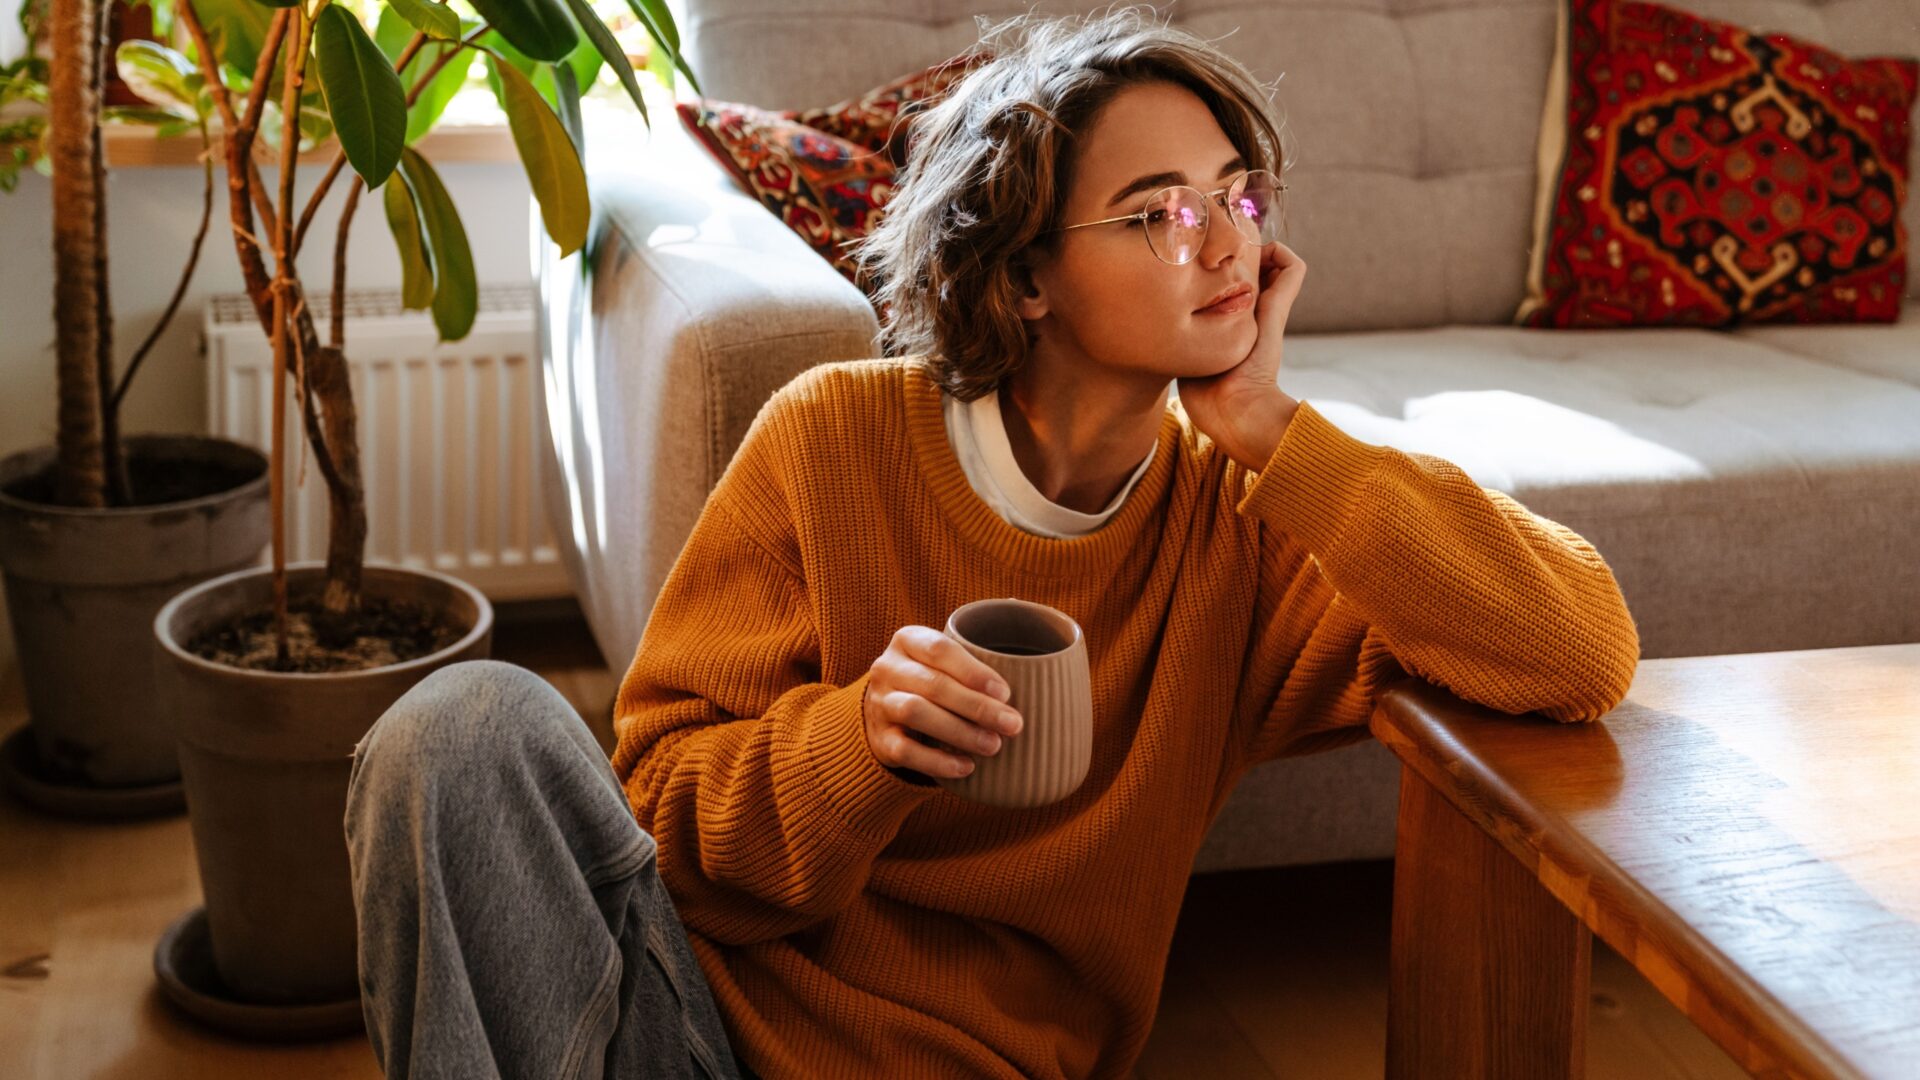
pixel 1410 125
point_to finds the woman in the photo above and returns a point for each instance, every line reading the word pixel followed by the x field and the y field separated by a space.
pixel 1084 222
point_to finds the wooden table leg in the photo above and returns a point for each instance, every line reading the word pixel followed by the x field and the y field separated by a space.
pixel 1489 976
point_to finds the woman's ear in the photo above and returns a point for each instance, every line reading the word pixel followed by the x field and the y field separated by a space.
pixel 1032 303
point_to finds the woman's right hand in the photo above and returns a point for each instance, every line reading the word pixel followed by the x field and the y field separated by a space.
pixel 926 685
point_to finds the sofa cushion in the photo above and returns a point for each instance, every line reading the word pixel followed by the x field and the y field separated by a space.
pixel 1696 174
pixel 825 172
pixel 1753 490
pixel 824 188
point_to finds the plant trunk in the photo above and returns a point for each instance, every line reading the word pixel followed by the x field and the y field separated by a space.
pixel 119 491
pixel 73 135
pixel 332 431
pixel 346 501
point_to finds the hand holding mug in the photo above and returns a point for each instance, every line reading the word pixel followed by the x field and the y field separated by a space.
pixel 926 684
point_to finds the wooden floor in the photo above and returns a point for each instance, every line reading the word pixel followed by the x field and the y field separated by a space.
pixel 1273 973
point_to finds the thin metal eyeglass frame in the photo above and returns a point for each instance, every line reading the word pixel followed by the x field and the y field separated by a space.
pixel 1206 202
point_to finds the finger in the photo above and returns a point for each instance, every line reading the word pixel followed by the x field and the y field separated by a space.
pixel 938 651
pixel 909 753
pixel 1280 278
pixel 1277 255
pixel 919 709
pixel 951 694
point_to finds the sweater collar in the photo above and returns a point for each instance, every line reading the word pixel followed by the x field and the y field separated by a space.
pixel 978 523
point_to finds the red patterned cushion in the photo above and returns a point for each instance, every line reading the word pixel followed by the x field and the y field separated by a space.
pixel 1695 174
pixel 868 120
pixel 825 172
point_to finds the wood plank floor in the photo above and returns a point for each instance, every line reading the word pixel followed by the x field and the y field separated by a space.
pixel 1273 973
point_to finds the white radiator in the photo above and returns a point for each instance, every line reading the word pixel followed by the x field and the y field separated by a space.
pixel 448 436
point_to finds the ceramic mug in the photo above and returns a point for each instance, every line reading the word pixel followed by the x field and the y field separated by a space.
pixel 1042 655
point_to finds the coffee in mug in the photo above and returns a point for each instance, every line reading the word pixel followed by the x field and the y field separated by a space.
pixel 1042 655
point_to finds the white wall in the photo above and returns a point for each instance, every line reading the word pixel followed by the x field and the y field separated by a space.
pixel 151 215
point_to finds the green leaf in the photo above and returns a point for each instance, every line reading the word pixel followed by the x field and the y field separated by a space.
pixel 314 127
pixel 278 3
pixel 585 63
pixel 416 279
pixel 503 49
pixel 159 75
pixel 653 14
pixel 22 85
pixel 660 66
pixel 553 166
pixel 237 28
pixel 568 107
pixel 584 60
pixel 316 124
pixel 440 91
pixel 392 33
pixel 538 28
pixel 456 295
pixel 364 99
pixel 609 50
pixel 430 18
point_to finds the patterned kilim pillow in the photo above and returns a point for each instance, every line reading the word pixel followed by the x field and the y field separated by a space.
pixel 1696 174
pixel 868 120
pixel 825 172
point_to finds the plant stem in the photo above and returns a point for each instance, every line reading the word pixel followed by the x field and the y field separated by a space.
pixel 237 136
pixel 186 276
pixel 246 190
pixel 243 182
pixel 327 407
pixel 313 201
pixel 283 285
pixel 337 331
pixel 119 491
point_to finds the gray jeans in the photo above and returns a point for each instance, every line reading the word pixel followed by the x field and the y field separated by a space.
pixel 512 922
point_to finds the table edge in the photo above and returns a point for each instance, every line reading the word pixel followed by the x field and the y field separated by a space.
pixel 1400 721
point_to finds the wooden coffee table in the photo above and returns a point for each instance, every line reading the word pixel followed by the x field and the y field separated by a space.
pixel 1745 830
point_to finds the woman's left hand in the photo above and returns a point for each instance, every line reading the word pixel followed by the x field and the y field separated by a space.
pixel 1237 408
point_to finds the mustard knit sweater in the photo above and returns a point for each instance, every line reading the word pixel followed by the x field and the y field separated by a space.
pixel 855 921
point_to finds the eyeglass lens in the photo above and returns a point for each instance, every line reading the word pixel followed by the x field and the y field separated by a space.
pixel 1177 216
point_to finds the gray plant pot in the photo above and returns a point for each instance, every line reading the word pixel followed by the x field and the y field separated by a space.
pixel 265 757
pixel 82 589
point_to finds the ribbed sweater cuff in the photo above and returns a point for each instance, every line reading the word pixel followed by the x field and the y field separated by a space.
pixel 1312 484
pixel 860 791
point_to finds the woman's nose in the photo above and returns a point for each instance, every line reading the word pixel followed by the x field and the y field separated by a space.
pixel 1222 241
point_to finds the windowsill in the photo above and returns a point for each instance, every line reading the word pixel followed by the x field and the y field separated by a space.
pixel 129 146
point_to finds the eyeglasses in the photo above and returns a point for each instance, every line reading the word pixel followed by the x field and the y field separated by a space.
pixel 1175 218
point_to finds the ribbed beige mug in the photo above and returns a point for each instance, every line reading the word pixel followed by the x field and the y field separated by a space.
pixel 1042 655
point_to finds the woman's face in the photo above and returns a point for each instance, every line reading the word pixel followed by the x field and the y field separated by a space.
pixel 1106 298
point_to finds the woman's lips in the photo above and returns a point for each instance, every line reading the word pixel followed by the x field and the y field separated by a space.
pixel 1234 304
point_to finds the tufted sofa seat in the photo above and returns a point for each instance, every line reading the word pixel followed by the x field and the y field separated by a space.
pixel 1754 490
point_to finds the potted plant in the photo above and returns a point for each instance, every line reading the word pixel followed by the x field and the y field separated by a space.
pixel 98 530
pixel 278 673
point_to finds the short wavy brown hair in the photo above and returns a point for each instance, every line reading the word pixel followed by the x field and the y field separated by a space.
pixel 990 165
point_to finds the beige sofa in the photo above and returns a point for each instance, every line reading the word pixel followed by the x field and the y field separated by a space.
pixel 1755 490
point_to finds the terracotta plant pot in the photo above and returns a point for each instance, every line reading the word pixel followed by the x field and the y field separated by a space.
pixel 265 757
pixel 82 589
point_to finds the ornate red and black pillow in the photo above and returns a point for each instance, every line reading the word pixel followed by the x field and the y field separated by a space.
pixel 825 172
pixel 1696 174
